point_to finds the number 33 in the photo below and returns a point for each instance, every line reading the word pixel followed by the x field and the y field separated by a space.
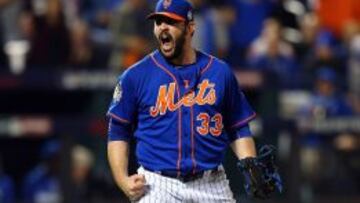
pixel 205 128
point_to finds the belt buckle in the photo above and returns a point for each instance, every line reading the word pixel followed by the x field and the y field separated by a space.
pixel 185 178
pixel 182 179
pixel 191 177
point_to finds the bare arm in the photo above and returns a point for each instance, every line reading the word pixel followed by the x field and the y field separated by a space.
pixel 244 147
pixel 118 153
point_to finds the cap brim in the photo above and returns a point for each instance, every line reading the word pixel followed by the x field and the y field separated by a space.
pixel 166 14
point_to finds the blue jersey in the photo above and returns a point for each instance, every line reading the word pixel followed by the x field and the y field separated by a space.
pixel 184 117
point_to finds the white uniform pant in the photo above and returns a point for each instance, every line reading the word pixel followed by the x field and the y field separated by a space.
pixel 211 188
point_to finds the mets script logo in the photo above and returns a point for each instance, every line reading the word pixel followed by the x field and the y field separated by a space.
pixel 166 3
pixel 166 95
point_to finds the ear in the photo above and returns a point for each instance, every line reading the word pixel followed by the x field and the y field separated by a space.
pixel 191 28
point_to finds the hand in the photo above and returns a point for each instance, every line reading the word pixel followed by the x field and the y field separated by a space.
pixel 260 174
pixel 134 186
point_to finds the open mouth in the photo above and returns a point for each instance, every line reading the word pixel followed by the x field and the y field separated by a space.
pixel 166 41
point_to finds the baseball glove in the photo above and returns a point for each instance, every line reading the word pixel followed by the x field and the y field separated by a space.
pixel 260 174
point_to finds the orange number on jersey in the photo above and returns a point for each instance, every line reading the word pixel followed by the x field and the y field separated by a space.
pixel 216 131
pixel 205 124
pixel 205 120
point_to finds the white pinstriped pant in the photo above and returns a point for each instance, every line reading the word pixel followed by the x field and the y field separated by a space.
pixel 211 188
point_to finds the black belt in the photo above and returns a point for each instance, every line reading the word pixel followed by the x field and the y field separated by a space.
pixel 188 177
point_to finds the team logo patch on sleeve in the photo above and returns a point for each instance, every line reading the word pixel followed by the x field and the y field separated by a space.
pixel 117 93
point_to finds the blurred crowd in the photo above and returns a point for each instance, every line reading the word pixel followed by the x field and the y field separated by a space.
pixel 310 45
pixel 290 39
pixel 44 182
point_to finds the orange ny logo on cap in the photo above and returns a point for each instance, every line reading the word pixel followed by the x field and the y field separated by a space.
pixel 166 4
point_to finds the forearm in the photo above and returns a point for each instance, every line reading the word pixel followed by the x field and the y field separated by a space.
pixel 118 153
pixel 244 147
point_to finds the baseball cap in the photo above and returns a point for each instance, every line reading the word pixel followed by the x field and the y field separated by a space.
pixel 324 38
pixel 180 10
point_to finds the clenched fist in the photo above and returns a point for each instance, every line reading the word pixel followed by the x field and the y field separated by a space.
pixel 134 186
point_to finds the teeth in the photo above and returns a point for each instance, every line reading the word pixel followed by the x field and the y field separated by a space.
pixel 165 37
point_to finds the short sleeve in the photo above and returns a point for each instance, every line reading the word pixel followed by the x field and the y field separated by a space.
pixel 118 131
pixel 123 107
pixel 238 112
pixel 240 132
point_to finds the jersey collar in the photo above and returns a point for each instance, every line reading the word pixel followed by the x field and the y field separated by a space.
pixel 201 61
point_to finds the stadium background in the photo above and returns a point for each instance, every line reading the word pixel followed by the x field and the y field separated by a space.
pixel 298 62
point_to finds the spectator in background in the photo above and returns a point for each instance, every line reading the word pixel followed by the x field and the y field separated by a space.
pixel 309 28
pixel 326 100
pixel 270 54
pixel 9 11
pixel 96 13
pixel 42 184
pixel 131 41
pixel 3 59
pixel 26 25
pixel 49 44
pixel 82 162
pixel 250 15
pixel 207 38
pixel 350 30
pixel 87 188
pixel 354 71
pixel 84 53
pixel 325 52
pixel 351 45
pixel 318 161
pixel 7 190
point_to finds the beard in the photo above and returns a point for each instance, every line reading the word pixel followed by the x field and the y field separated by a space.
pixel 177 50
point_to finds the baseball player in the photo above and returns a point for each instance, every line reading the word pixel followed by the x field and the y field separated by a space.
pixel 184 108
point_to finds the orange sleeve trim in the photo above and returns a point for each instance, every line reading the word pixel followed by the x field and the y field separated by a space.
pixel 118 118
pixel 242 122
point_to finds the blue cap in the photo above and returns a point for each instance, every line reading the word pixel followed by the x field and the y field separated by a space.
pixel 324 38
pixel 180 10
pixel 326 74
